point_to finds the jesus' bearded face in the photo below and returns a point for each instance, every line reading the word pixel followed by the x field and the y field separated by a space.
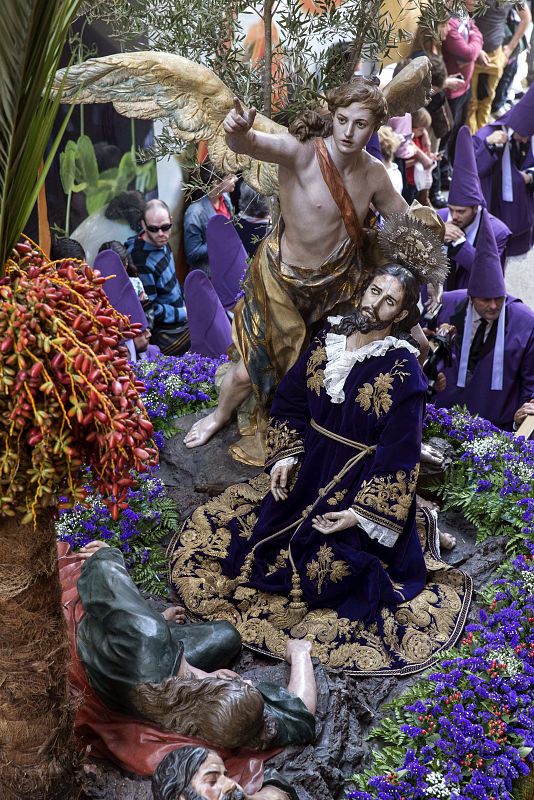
pixel 382 301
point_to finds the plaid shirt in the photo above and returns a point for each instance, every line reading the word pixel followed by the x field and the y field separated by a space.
pixel 155 266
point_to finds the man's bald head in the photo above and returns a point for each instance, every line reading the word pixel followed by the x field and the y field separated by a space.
pixel 157 204
pixel 157 223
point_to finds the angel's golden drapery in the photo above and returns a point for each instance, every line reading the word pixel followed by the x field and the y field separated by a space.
pixel 273 320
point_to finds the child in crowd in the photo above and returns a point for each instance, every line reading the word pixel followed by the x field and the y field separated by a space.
pixel 419 167
pixel 389 144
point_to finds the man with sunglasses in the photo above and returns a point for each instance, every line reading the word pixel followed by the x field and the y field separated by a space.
pixel 153 258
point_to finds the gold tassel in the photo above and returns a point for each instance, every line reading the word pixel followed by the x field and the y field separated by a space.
pixel 297 608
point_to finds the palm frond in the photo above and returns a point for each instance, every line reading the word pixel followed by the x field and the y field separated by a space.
pixel 32 33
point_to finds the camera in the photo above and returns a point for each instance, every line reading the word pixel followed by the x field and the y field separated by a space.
pixel 439 356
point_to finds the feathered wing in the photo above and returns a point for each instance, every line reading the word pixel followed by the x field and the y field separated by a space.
pixel 410 89
pixel 188 97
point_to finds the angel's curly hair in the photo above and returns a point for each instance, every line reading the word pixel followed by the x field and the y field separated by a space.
pixel 319 122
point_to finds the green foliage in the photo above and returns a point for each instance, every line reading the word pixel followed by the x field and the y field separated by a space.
pixel 138 532
pixel 490 480
pixel 32 33
pixel 79 173
pixel 392 743
pixel 315 51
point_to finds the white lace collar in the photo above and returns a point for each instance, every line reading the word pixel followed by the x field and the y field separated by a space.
pixel 340 361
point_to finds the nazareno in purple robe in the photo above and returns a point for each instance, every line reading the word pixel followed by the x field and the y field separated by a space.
pixel 348 571
pixel 463 256
pixel 518 215
pixel 498 406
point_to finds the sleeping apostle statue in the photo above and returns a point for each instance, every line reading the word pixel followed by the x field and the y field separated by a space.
pixel 160 668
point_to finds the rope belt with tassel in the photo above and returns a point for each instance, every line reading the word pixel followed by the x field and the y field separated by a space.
pixel 297 606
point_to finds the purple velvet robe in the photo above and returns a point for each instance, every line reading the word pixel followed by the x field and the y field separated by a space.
pixel 499 406
pixel 519 215
pixel 348 571
pixel 462 257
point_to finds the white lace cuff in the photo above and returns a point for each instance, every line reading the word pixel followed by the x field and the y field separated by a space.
pixel 288 461
pixel 382 534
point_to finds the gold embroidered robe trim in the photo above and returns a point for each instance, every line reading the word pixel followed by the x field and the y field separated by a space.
pixel 315 376
pixel 386 499
pixel 413 636
pixel 378 397
pixel 281 441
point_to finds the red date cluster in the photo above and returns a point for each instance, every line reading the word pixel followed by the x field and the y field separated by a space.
pixel 68 397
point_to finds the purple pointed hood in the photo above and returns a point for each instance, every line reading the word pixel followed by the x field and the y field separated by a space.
pixel 486 279
pixel 227 258
pixel 520 118
pixel 209 326
pixel 119 288
pixel 465 187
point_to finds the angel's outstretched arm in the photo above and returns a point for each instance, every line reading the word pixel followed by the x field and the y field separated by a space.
pixel 277 148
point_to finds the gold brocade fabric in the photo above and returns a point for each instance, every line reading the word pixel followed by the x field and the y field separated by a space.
pixel 406 639
pixel 272 321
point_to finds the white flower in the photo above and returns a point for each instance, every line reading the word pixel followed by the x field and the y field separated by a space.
pixel 437 786
pixel 528 580
pixel 513 664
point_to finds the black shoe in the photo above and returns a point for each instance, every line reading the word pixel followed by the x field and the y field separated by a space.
pixel 438 200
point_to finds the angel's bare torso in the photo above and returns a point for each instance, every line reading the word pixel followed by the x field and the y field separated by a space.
pixel 313 227
pixel 313 224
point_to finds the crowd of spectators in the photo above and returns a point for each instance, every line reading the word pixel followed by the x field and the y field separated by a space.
pixel 476 133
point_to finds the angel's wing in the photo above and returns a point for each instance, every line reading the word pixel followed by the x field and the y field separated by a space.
pixel 193 101
pixel 410 89
pixel 188 97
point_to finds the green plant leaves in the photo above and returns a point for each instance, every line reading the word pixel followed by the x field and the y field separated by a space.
pixel 79 173
pixel 126 173
pixel 33 33
pixel 67 167
pixel 97 198
pixel 86 161
pixel 78 168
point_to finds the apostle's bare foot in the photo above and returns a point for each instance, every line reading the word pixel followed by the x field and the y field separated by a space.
pixel 446 540
pixel 296 648
pixel 174 614
pixel 204 429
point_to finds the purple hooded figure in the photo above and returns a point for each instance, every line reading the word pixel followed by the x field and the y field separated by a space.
pixel 463 213
pixel 504 151
pixel 209 326
pixel 123 297
pixel 227 257
pixel 373 147
pixel 492 370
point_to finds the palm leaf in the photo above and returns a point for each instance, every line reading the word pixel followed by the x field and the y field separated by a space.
pixel 33 34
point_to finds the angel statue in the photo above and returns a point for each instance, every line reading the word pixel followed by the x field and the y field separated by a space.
pixel 313 262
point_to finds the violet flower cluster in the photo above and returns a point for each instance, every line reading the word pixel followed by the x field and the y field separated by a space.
pixel 493 473
pixel 470 733
pixel 175 386
pixel 473 733
pixel 137 532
